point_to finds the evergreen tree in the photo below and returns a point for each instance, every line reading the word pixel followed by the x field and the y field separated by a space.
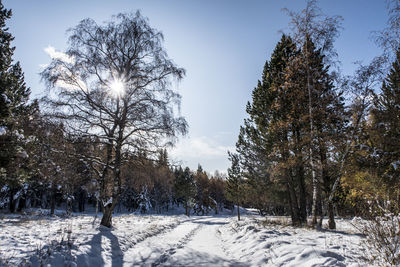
pixel 264 140
pixel 385 127
pixel 14 114
pixel 317 126
pixel 234 183
pixel 202 198
pixel 185 187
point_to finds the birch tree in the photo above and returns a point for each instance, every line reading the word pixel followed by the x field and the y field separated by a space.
pixel 311 24
pixel 114 85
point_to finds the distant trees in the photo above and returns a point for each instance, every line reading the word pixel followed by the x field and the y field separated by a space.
pixel 113 86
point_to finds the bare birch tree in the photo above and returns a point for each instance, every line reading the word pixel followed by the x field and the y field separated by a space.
pixel 113 86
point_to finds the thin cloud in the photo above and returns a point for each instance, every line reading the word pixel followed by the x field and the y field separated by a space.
pixel 200 147
pixel 51 51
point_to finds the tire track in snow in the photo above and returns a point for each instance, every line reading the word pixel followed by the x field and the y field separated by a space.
pixel 154 250
pixel 182 242
pixel 138 238
pixel 203 248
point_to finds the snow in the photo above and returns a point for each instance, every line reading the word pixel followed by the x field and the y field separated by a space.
pixel 172 240
pixel 3 130
pixel 6 99
pixel 108 202
pixel 276 245
pixel 396 164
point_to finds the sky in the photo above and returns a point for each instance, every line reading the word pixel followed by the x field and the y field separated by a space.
pixel 222 44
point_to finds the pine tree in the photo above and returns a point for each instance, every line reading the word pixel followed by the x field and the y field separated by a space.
pixel 317 126
pixel 202 198
pixel 184 187
pixel 234 183
pixel 263 143
pixel 14 114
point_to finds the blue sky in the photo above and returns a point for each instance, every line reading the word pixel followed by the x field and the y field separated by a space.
pixel 222 45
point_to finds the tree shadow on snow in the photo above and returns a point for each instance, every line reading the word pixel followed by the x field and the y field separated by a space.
pixel 94 257
pixel 196 258
pixel 334 231
pixel 205 220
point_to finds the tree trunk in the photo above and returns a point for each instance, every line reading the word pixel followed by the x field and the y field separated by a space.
pixel 238 212
pixel 186 208
pixel 97 207
pixel 106 220
pixel 295 212
pixel 315 186
pixel 21 203
pixel 12 201
pixel 52 200
pixel 331 216
pixel 302 194
pixel 299 168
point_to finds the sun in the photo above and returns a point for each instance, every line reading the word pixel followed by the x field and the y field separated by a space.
pixel 117 88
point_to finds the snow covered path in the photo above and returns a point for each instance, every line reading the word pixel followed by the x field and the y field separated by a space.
pixel 195 242
pixel 173 240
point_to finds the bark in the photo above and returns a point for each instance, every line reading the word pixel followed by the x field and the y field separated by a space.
pixel 238 212
pixel 106 220
pixel 52 199
pixel 106 183
pixel 331 216
pixel 326 179
pixel 186 208
pixel 293 203
pixel 302 194
pixel 290 202
pixel 315 194
pixel 21 203
pixel 299 169
pixel 11 200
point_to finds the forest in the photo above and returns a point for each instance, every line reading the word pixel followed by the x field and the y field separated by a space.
pixel 316 144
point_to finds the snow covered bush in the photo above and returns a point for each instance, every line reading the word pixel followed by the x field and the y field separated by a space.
pixel 382 232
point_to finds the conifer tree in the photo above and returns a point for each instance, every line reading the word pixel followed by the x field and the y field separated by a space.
pixel 14 114
pixel 184 187
pixel 264 140
pixel 310 24
pixel 317 124
pixel 234 183
pixel 385 127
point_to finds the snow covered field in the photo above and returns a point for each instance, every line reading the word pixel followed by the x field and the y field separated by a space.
pixel 173 240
